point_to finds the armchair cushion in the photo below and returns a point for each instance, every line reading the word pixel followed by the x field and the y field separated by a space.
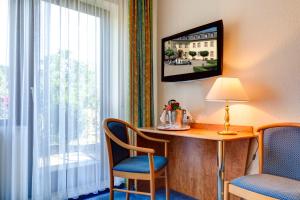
pixel 140 164
pixel 270 185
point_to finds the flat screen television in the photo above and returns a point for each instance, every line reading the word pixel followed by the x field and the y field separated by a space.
pixel 193 54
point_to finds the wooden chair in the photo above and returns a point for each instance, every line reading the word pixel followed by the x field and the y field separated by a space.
pixel 279 166
pixel 141 167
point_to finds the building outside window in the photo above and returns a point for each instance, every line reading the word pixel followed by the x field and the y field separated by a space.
pixel 194 45
pixel 205 44
pixel 212 43
pixel 199 44
pixel 211 53
pixel 186 46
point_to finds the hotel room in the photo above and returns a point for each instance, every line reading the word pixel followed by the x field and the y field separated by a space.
pixel 149 99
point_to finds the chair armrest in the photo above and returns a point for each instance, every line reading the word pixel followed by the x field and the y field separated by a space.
pixel 139 149
pixel 128 146
pixel 135 148
pixel 151 139
pixel 147 137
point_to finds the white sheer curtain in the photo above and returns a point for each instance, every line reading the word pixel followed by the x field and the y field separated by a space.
pixel 81 78
pixel 64 68
pixel 16 110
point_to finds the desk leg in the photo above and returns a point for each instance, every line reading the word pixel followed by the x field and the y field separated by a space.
pixel 221 169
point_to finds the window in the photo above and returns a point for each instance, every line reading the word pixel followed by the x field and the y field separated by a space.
pixel 194 45
pixel 199 44
pixel 211 43
pixel 73 67
pixel 205 44
pixel 211 54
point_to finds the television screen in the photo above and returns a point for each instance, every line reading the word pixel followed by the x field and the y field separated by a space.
pixel 193 54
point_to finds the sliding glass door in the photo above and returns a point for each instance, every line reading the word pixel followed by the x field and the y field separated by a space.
pixel 78 87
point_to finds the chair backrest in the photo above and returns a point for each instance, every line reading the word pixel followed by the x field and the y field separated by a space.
pixel 281 151
pixel 118 129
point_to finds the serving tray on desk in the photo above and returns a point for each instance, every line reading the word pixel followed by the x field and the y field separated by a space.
pixel 169 127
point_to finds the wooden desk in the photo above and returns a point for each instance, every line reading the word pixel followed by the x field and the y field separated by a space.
pixel 181 151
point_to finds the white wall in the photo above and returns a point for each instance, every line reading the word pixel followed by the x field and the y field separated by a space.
pixel 261 47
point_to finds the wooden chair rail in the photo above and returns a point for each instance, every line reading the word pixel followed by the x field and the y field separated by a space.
pixel 277 125
pixel 131 191
pixel 245 194
pixel 135 130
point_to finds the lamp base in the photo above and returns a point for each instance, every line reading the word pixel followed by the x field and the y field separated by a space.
pixel 227 132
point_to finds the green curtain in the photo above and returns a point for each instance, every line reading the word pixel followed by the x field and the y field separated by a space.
pixel 141 72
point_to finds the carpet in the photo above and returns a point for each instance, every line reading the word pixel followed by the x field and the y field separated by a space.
pixel 160 195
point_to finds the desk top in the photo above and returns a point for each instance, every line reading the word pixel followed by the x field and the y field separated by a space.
pixel 204 131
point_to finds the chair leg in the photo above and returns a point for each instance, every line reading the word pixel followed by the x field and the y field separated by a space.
pixel 111 188
pixel 152 189
pixel 167 184
pixel 226 190
pixel 129 187
pixel 135 184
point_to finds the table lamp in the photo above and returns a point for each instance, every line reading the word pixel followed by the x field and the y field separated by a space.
pixel 227 90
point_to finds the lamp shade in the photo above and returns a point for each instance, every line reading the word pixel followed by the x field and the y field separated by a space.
pixel 227 89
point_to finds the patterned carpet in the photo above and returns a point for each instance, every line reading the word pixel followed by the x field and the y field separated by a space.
pixel 160 195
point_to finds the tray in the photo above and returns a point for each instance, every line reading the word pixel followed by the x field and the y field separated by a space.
pixel 167 127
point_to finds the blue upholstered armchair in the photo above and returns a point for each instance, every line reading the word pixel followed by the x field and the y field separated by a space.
pixel 279 166
pixel 141 167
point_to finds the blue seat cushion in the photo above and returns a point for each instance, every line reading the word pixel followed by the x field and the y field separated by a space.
pixel 140 164
pixel 270 185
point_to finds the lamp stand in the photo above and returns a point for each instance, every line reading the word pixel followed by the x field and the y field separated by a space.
pixel 227 123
